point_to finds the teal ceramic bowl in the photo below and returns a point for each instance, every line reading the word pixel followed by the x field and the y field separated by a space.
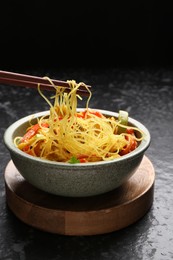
pixel 74 180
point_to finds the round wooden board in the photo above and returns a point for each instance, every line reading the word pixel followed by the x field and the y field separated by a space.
pixel 81 216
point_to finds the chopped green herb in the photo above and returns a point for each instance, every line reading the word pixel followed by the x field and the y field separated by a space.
pixel 74 160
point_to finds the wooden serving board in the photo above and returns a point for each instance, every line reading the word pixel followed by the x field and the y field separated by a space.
pixel 81 216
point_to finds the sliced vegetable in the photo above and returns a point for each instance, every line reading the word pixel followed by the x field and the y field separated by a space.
pixel 132 144
pixel 96 113
pixel 83 160
pixel 123 120
pixel 32 131
pixel 84 114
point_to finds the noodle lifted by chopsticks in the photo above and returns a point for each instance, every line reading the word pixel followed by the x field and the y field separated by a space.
pixel 66 134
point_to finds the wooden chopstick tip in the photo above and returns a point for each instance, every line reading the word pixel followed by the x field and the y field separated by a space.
pixel 25 80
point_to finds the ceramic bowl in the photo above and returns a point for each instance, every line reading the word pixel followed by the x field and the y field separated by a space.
pixel 74 180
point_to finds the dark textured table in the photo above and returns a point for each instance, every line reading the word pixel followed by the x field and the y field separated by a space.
pixel 147 94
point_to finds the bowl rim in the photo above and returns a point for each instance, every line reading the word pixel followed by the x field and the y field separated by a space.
pixel 8 140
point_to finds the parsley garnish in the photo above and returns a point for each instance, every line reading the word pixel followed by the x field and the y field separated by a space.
pixel 74 160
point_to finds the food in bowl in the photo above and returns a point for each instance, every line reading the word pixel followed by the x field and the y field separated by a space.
pixel 69 135
pixel 67 175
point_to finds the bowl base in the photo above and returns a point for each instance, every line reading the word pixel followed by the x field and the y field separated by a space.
pixel 94 215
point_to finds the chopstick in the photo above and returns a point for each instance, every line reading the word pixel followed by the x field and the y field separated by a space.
pixel 24 80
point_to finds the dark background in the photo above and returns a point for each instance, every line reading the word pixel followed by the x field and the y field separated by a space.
pixel 85 34
pixel 124 50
